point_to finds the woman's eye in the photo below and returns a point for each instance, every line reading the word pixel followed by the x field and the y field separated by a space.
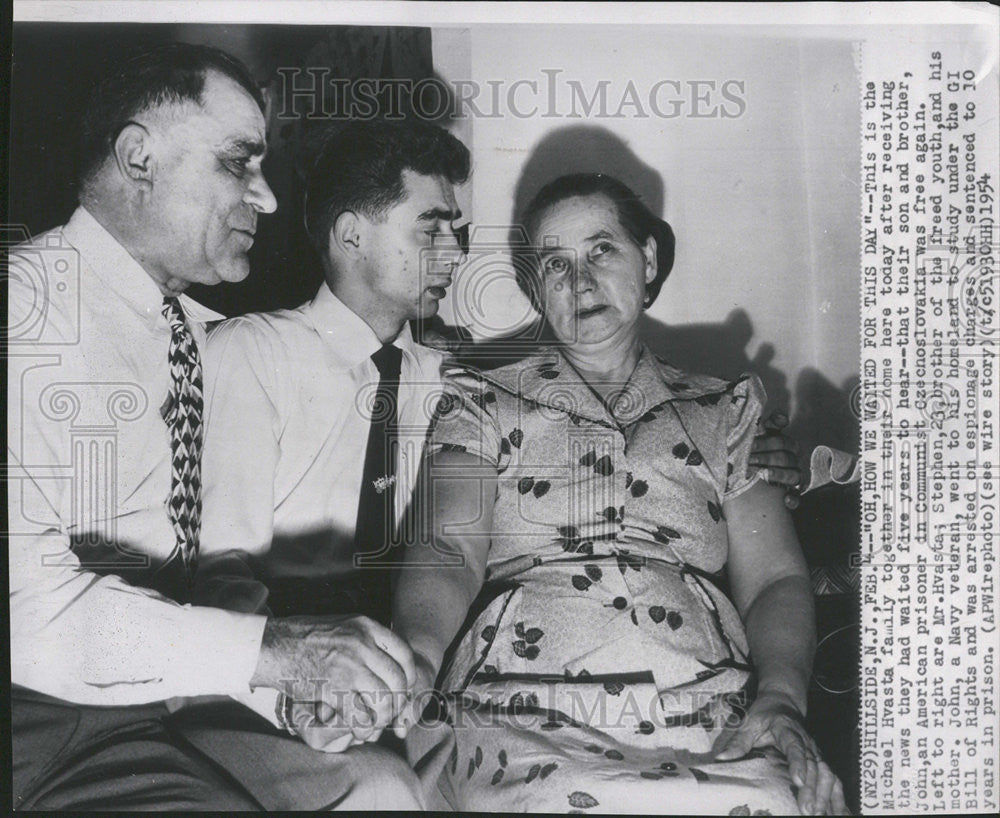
pixel 556 265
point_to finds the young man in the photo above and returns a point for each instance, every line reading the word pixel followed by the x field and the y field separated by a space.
pixel 302 490
pixel 105 422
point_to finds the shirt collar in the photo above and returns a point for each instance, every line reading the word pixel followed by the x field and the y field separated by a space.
pixel 547 378
pixel 347 335
pixel 121 273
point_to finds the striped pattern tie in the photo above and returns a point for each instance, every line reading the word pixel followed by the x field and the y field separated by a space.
pixel 183 415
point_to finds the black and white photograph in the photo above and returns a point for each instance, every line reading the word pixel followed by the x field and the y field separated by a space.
pixel 469 406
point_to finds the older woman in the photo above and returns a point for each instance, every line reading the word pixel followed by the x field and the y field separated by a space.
pixel 589 504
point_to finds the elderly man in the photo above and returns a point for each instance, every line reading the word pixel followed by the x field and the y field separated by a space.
pixel 106 415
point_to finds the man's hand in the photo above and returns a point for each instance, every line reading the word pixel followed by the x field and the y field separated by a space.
pixel 422 686
pixel 774 721
pixel 343 672
pixel 777 456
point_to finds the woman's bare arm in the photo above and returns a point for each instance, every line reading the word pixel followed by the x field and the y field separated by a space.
pixel 772 592
pixel 444 570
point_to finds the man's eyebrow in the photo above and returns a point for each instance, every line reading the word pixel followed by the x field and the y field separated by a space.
pixel 254 147
pixel 600 234
pixel 440 214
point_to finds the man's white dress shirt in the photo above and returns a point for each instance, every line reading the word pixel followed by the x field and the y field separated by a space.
pixel 89 457
pixel 288 397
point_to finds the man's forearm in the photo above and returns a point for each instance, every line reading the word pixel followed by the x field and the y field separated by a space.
pixel 781 632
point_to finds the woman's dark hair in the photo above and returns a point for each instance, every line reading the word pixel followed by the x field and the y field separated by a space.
pixel 633 215
pixel 360 168
pixel 162 75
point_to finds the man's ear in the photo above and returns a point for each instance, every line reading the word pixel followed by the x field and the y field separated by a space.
pixel 649 256
pixel 133 154
pixel 346 234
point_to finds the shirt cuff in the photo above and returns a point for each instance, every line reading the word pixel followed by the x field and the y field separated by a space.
pixel 263 701
pixel 226 646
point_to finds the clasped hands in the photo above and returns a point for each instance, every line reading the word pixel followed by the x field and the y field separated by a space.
pixel 348 678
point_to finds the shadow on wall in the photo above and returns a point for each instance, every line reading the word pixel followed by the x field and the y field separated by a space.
pixel 823 412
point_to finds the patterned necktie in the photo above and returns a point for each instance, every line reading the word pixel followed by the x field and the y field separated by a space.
pixel 183 416
pixel 376 506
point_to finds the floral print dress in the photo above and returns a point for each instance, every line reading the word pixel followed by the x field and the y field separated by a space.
pixel 600 662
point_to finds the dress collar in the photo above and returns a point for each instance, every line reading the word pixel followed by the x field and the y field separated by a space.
pixel 346 334
pixel 548 379
pixel 119 272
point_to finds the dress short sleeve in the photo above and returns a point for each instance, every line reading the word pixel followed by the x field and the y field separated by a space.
pixel 744 412
pixel 467 416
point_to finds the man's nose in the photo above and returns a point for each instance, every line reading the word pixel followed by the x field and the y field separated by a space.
pixel 449 241
pixel 259 195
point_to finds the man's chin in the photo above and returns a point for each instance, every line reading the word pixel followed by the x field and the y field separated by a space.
pixel 233 272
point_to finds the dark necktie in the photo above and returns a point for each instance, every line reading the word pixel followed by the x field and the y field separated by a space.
pixel 183 415
pixel 376 506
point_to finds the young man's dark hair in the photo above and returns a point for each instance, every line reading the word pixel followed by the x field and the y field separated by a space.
pixel 165 74
pixel 360 168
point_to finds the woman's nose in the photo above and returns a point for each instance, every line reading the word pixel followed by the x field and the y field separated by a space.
pixel 583 279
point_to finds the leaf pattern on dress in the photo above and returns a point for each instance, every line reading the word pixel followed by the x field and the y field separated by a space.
pixel 589 458
pixel 516 437
pixel 488 633
pixel 452 447
pixel 604 466
pixel 665 534
pixel 502 758
pixel 526 651
pixel 525 484
pixel 680 451
pixel 504 446
pixel 548 769
pixel 580 582
pixel 619 603
pixel 582 800
pixel 674 620
pixel 639 488
pixel 532 635
pixel 645 727
pixel 453 759
pixel 593 572
pixel 614 755
pixel 541 488
pixel 694 458
pixel 699 775
pixel 657 613
pixel 715 511
pixel 614 688
pixel 497 778
pixel 742 809
pixel 533 773
pixel 479 757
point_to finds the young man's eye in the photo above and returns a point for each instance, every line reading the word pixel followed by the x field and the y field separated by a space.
pixel 602 248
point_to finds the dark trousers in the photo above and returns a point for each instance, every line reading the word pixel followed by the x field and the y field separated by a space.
pixel 211 757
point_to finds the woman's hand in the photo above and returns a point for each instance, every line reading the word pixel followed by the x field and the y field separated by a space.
pixel 777 456
pixel 774 721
